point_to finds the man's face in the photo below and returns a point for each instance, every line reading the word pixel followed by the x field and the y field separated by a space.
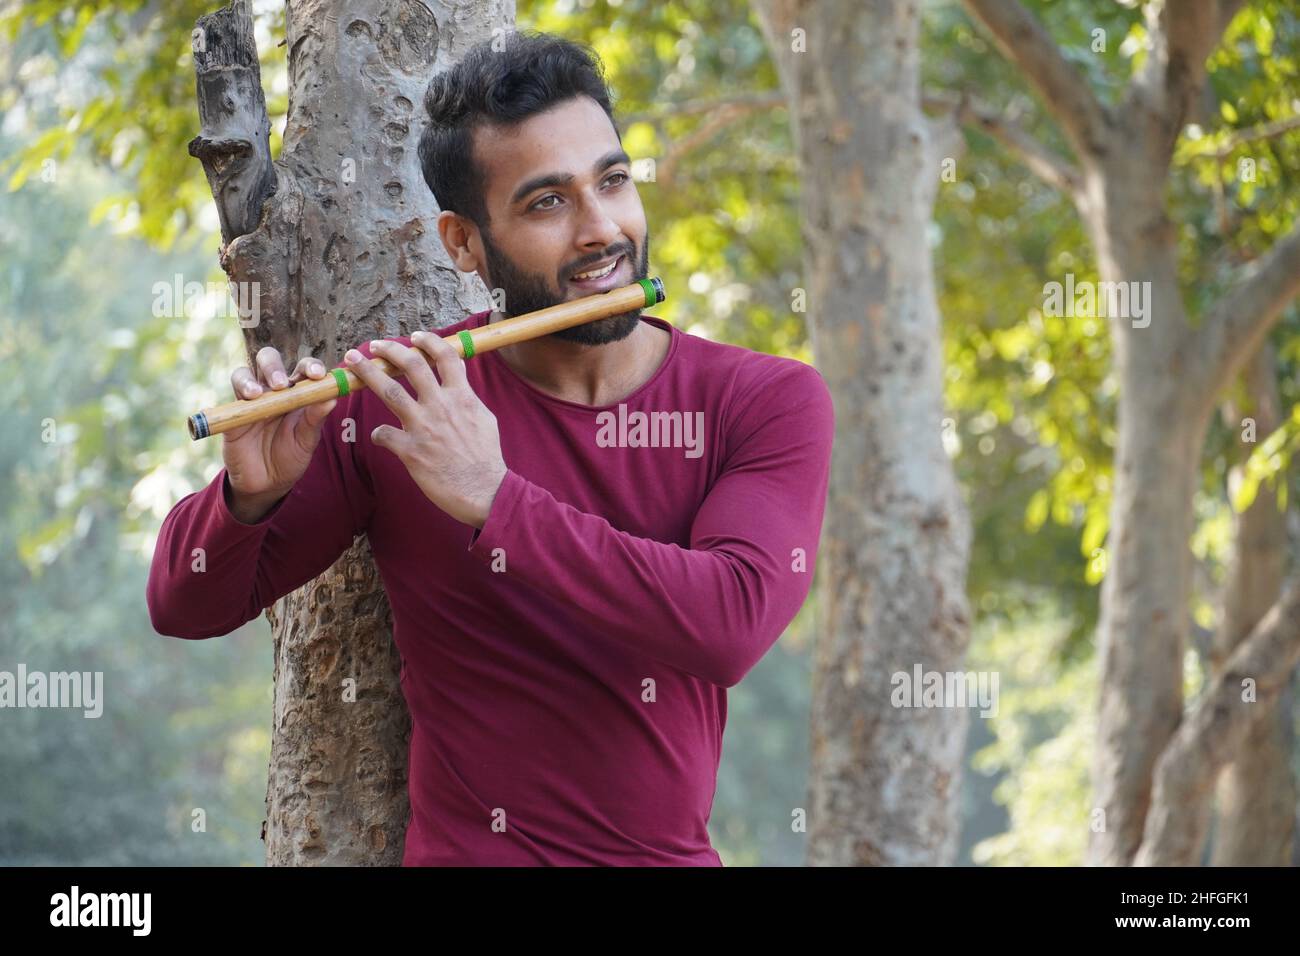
pixel 561 201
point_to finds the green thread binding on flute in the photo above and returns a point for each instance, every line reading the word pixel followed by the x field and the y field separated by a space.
pixel 341 376
pixel 648 287
pixel 466 340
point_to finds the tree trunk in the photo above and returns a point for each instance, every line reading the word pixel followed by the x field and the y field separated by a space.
pixel 1256 792
pixel 885 780
pixel 339 234
pixel 1145 594
pixel 1166 392
pixel 1215 729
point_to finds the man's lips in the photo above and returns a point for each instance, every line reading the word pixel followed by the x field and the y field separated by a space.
pixel 617 263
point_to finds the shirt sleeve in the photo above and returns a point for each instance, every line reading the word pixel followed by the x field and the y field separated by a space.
pixel 713 609
pixel 212 573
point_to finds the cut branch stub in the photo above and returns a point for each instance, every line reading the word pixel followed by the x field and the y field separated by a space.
pixel 263 267
pixel 234 142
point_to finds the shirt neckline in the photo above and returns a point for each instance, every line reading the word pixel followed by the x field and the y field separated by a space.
pixel 481 319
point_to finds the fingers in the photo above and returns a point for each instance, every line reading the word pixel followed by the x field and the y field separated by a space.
pixel 451 367
pixel 412 363
pixel 270 368
pixel 244 384
pixel 389 391
pixel 308 367
pixel 270 371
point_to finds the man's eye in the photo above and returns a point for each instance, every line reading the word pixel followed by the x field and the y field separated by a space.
pixel 615 179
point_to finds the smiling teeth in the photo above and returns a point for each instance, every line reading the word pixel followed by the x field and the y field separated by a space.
pixel 600 274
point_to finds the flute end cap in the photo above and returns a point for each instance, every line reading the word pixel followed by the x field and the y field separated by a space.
pixel 198 426
pixel 654 290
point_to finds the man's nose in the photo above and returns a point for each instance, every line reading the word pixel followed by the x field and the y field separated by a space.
pixel 596 226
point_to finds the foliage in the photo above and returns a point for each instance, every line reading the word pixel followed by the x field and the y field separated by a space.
pixel 184 726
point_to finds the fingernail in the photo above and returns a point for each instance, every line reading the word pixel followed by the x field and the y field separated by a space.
pixel 377 343
pixel 253 388
pixel 418 335
pixel 279 378
pixel 353 357
pixel 317 368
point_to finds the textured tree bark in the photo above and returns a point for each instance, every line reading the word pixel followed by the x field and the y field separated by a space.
pixel 884 780
pixel 1256 792
pixel 339 236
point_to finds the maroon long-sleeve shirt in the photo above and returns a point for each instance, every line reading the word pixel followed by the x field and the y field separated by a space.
pixel 566 665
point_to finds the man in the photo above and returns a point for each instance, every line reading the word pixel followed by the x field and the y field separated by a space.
pixel 585 538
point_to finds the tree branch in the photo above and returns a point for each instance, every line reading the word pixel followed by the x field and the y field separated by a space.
pixel 725 111
pixel 746 103
pixel 1214 730
pixel 1251 134
pixel 1046 164
pixel 1023 41
pixel 1182 36
pixel 1237 324
pixel 234 141
pixel 1255 809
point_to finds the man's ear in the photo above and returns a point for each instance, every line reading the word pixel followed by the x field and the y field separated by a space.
pixel 456 232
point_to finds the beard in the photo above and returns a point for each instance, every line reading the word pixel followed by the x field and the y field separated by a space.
pixel 528 292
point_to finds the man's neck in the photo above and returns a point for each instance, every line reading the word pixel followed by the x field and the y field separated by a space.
pixel 588 374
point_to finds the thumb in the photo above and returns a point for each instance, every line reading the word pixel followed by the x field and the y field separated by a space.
pixel 386 436
pixel 315 414
pixel 308 427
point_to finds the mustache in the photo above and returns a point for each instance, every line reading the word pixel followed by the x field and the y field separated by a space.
pixel 627 249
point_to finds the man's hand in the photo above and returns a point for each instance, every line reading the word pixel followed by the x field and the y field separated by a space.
pixel 448 440
pixel 265 459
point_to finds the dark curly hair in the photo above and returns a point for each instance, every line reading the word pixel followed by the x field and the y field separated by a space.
pixel 530 73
